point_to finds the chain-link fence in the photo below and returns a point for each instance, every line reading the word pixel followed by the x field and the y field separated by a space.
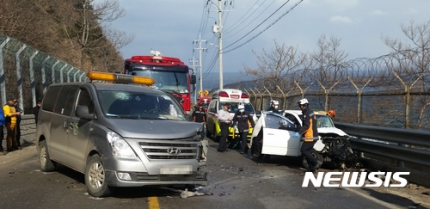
pixel 25 73
pixel 392 107
pixel 391 90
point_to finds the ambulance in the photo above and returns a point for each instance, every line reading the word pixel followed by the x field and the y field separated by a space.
pixel 218 99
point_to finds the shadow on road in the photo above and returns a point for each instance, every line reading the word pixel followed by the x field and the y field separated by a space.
pixel 128 192
pixel 394 199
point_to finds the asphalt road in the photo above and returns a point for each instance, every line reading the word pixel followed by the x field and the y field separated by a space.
pixel 235 181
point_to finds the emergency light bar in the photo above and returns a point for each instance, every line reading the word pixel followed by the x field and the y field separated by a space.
pixel 160 60
pixel 233 96
pixel 120 78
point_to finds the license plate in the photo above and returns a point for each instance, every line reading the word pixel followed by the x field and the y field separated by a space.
pixel 176 169
pixel 234 96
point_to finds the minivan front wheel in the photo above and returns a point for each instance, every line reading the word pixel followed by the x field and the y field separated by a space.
pixel 46 164
pixel 95 178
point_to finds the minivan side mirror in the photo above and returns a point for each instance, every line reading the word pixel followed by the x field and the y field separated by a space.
pixel 83 112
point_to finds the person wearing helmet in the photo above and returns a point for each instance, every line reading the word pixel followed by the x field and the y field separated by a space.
pixel 274 106
pixel 243 119
pixel 309 134
pixel 331 113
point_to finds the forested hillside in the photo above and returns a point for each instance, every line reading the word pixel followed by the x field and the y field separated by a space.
pixel 75 31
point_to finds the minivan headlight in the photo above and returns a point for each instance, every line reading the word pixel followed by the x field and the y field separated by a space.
pixel 120 148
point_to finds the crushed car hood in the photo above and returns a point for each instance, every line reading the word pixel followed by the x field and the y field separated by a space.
pixel 155 129
pixel 331 130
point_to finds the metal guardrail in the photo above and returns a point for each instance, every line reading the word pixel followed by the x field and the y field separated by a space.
pixel 410 148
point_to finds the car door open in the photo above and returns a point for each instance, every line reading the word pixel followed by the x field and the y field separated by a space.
pixel 278 136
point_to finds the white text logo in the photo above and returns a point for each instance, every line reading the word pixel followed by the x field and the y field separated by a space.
pixel 355 179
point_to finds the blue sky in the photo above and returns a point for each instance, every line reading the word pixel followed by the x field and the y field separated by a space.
pixel 171 26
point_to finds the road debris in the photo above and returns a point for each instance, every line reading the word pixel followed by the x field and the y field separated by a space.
pixel 186 194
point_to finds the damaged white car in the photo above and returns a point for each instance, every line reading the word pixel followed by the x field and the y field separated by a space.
pixel 274 135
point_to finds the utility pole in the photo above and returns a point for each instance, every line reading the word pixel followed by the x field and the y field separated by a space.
pixel 218 29
pixel 221 85
pixel 200 59
pixel 193 62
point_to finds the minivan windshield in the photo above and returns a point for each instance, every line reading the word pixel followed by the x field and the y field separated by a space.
pixel 139 105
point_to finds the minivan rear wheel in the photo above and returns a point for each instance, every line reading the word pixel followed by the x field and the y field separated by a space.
pixel 46 164
pixel 95 178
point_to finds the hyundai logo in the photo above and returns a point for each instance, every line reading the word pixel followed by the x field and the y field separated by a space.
pixel 174 151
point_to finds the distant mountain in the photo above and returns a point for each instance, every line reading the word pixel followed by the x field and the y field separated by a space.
pixel 211 80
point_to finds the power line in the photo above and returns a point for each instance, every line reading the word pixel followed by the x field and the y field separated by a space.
pixel 262 30
pixel 212 65
pixel 243 26
pixel 239 20
pixel 259 24
pixel 205 18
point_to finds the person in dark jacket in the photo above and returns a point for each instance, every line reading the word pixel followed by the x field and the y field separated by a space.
pixel 36 111
pixel 309 134
pixel 18 125
pixel 199 114
pixel 243 119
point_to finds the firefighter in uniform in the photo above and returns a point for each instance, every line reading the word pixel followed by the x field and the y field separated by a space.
pixel 224 120
pixel 242 119
pixel 309 134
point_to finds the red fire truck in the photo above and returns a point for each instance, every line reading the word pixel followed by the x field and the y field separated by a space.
pixel 170 74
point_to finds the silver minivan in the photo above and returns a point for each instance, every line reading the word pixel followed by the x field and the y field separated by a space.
pixel 118 135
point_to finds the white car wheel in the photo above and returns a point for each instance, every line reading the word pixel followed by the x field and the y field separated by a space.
pixel 317 155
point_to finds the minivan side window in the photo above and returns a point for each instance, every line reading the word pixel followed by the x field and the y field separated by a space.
pixel 85 100
pixel 66 100
pixel 50 98
pixel 212 107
